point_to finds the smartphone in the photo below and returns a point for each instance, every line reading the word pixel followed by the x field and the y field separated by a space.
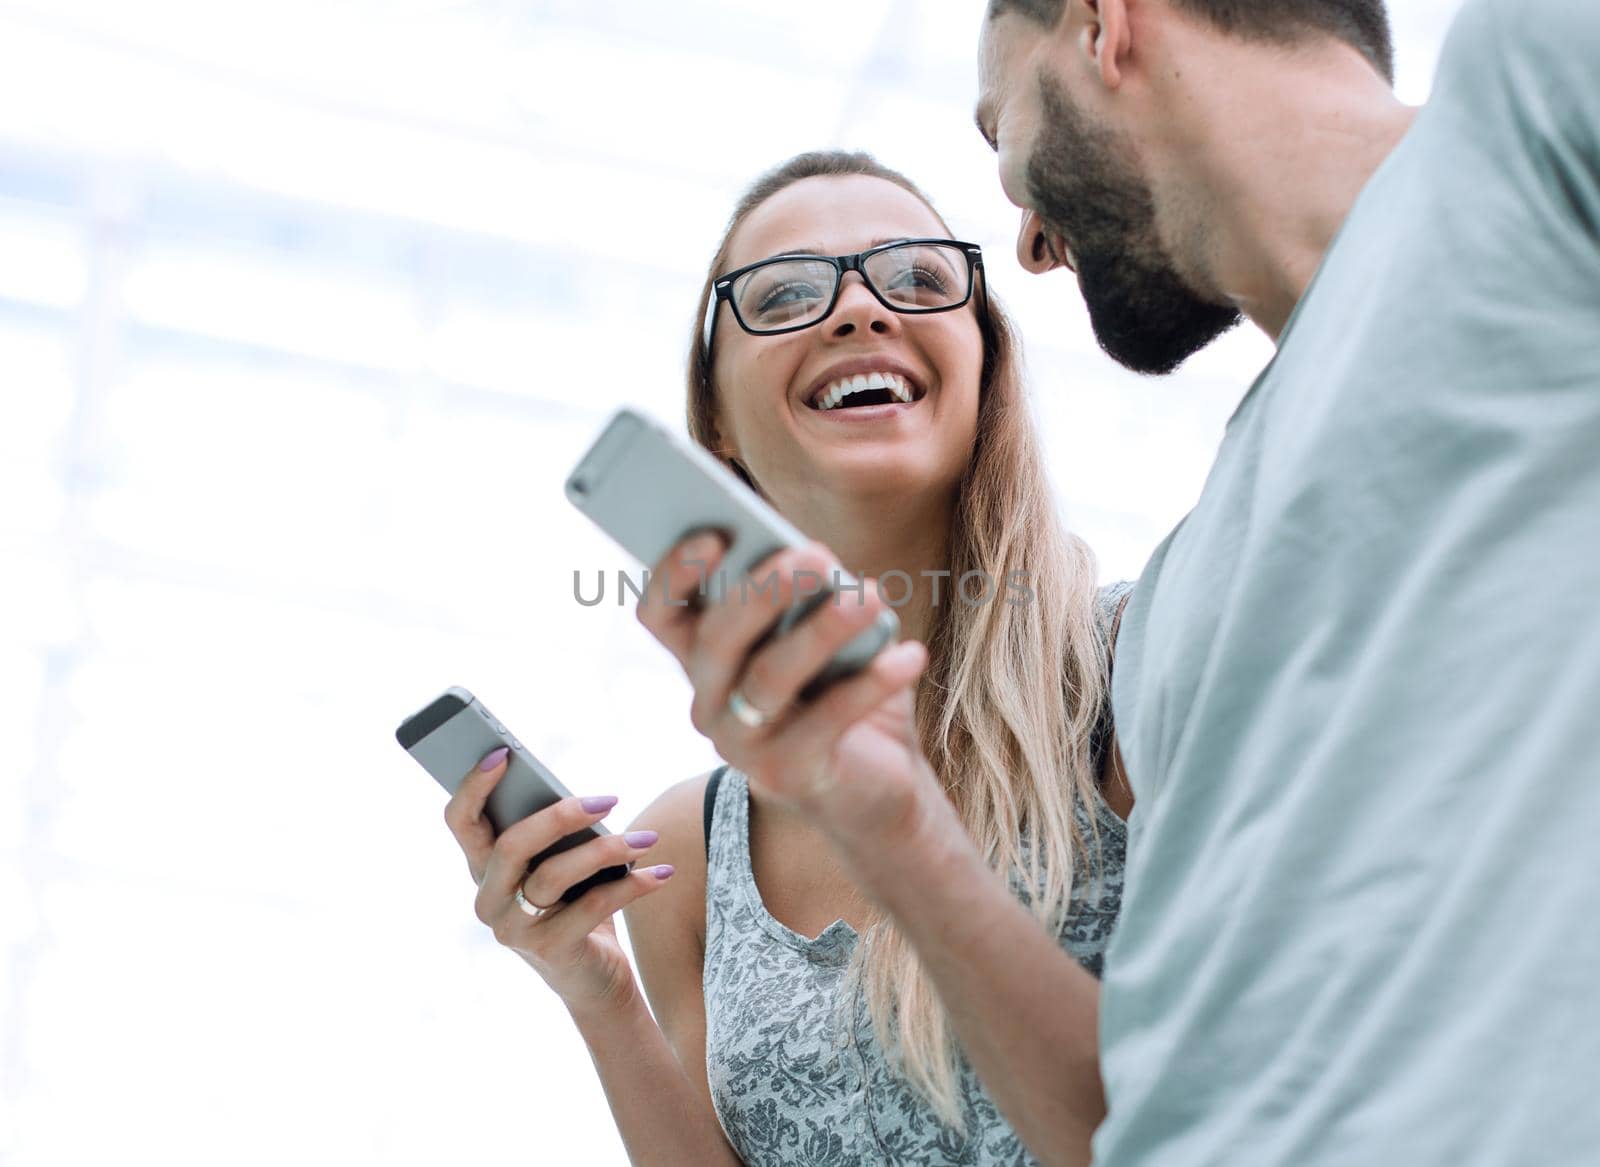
pixel 454 732
pixel 650 488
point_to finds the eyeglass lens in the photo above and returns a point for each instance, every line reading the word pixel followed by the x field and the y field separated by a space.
pixel 911 277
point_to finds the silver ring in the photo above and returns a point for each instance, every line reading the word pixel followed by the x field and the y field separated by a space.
pixel 744 712
pixel 533 910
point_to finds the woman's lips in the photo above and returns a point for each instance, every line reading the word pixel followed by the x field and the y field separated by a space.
pixel 865 413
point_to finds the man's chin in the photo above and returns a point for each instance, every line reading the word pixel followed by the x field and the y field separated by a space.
pixel 1151 356
pixel 1154 335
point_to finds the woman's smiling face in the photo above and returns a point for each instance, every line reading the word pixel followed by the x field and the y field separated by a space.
pixel 772 391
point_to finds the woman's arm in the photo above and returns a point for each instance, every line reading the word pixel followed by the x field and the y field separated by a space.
pixel 662 1112
pixel 668 939
pixel 664 1115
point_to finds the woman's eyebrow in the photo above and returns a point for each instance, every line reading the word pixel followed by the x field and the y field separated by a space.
pixel 818 249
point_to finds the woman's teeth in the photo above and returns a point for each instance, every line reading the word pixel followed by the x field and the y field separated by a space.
pixel 846 387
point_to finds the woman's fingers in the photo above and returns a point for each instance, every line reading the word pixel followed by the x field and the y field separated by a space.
pixel 594 907
pixel 463 814
pixel 670 607
pixel 521 841
pixel 545 884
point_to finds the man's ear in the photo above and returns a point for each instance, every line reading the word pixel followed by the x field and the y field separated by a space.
pixel 1106 38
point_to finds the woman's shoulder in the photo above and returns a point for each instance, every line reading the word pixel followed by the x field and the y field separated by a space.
pixel 676 815
pixel 670 924
pixel 1108 604
pixel 676 806
pixel 1113 595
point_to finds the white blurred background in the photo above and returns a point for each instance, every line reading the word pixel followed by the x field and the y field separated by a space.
pixel 305 312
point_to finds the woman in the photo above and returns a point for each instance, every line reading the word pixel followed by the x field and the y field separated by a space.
pixel 872 394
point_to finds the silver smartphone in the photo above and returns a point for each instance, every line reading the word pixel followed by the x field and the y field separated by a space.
pixel 454 732
pixel 649 488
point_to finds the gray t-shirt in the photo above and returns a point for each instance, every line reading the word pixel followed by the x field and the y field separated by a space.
pixel 1358 689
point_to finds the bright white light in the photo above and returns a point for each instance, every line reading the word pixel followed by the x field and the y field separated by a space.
pixel 44 259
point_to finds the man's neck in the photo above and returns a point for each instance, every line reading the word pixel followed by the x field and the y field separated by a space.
pixel 1265 160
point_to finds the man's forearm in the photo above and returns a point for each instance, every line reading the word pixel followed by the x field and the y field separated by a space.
pixel 1026 1013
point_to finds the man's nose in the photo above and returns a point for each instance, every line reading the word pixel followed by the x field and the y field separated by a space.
pixel 1033 246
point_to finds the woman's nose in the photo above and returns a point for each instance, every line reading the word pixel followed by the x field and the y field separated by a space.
pixel 859 308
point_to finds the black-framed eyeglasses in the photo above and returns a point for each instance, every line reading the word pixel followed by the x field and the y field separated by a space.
pixel 789 292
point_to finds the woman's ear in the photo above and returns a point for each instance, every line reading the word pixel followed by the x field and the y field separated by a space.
pixel 729 455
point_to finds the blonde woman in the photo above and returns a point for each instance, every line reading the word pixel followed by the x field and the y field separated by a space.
pixel 851 368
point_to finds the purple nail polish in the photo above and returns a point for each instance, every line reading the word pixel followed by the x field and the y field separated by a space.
pixel 494 759
pixel 664 871
pixel 598 803
pixel 640 839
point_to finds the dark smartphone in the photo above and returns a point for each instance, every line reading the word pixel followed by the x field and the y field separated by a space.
pixel 453 734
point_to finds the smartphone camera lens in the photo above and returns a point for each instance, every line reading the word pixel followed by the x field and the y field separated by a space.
pixel 579 487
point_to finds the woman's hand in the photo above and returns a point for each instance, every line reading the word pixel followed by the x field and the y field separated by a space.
pixel 573 946
pixel 849 758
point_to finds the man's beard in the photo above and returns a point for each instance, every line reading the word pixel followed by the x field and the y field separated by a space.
pixel 1143 313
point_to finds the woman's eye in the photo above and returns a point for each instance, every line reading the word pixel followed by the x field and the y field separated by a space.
pixel 921 285
pixel 787 293
pixel 923 277
pixel 788 298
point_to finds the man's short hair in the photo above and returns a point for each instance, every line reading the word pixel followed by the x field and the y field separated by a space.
pixel 1362 24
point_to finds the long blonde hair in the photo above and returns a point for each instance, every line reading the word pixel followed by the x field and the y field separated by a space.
pixel 1007 709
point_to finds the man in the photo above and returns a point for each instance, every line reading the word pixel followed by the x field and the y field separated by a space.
pixel 1358 690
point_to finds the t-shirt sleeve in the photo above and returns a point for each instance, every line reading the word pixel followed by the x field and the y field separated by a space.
pixel 1549 69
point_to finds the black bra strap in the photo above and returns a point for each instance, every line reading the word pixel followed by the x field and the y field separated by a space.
pixel 711 803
